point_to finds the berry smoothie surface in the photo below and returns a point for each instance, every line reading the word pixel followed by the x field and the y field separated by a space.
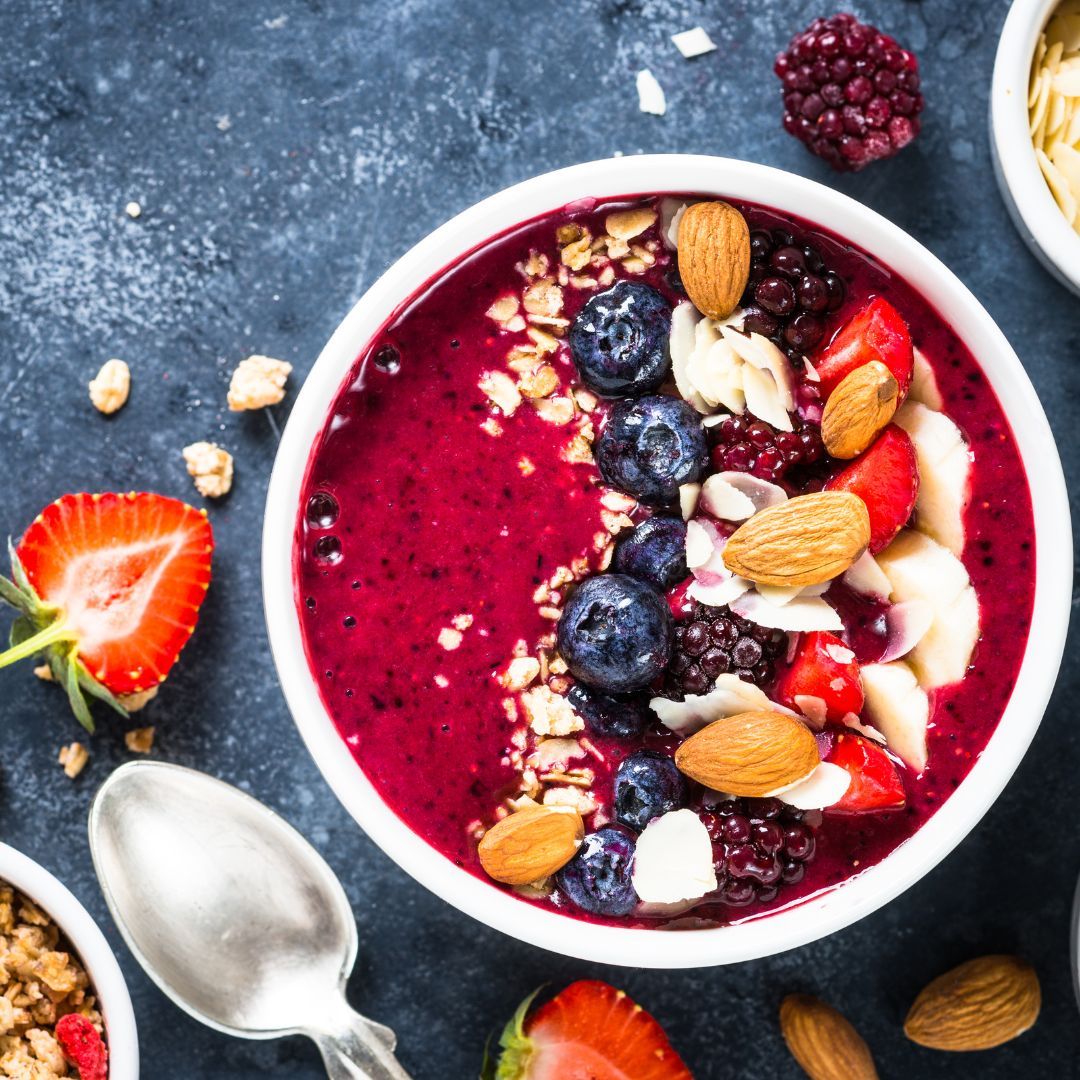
pixel 452 497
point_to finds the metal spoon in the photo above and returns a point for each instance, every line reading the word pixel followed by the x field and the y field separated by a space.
pixel 233 913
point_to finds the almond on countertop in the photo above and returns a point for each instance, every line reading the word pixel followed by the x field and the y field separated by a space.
pixel 805 541
pixel 531 844
pixel 823 1041
pixel 751 754
pixel 978 1005
pixel 859 409
pixel 714 257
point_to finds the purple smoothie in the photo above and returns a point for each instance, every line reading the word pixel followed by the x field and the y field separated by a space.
pixel 412 514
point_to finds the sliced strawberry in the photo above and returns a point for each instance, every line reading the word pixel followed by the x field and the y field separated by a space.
pixel 875 781
pixel 823 670
pixel 877 332
pixel 109 587
pixel 590 1031
pixel 886 477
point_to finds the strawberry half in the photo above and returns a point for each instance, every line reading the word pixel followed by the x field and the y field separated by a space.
pixel 886 477
pixel 108 588
pixel 823 669
pixel 877 332
pixel 590 1031
pixel 875 780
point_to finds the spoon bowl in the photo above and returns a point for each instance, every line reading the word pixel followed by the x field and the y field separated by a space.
pixel 232 913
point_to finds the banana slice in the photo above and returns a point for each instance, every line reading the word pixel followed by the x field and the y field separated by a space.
pixel 899 708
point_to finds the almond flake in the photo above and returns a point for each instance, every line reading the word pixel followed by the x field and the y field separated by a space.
pixel 617 502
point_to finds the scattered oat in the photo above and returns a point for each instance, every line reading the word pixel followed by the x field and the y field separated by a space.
pixel 492 427
pixel 544 342
pixel 586 399
pixel 257 382
pixel 543 297
pixel 548 713
pixel 557 665
pixel 449 638
pixel 616 523
pixel 651 97
pixel 109 389
pixel 501 390
pixel 462 621
pixel 504 311
pixel 139 700
pixel 133 210
pixel 210 467
pixel 617 502
pixel 525 466
pixel 605 557
pixel 578 451
pixel 519 673
pixel 555 410
pixel 581 801
pixel 606 276
pixel 74 758
pixel 693 43
pixel 555 753
pixel 537 265
pixel 139 740
pixel 552 613
pixel 541 382
pixel 575 243
pixel 510 708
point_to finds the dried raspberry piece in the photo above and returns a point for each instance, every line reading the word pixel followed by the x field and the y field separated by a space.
pixel 83 1046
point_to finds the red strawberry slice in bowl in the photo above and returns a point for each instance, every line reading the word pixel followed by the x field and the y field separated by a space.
pixel 877 332
pixel 822 681
pixel 886 477
pixel 875 780
pixel 590 1031
pixel 108 588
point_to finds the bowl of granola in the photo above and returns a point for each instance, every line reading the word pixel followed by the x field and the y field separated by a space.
pixel 648 550
pixel 64 1006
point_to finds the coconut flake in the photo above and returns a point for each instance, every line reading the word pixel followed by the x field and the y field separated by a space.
pixel 689 494
pixel 730 696
pixel 763 398
pixel 651 97
pixel 825 786
pixel 671 212
pixel 758 350
pixel 810 371
pixel 720 593
pixel 762 493
pixel 813 708
pixel 693 43
pixel 673 860
pixel 722 499
pixel 906 624
pixel 840 653
pixel 699 544
pixel 866 577
pixel 681 343
pixel 852 721
pixel 802 613
pixel 779 594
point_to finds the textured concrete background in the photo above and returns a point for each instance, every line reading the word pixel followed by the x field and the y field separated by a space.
pixel 285 153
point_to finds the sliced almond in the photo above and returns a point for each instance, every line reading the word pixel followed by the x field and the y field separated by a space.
pixel 978 1005
pixel 531 844
pixel 804 541
pixel 858 409
pixel 823 1041
pixel 751 754
pixel 714 257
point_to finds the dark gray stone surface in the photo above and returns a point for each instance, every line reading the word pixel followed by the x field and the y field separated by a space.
pixel 284 154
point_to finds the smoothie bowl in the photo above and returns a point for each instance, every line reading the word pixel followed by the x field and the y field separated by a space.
pixel 647 551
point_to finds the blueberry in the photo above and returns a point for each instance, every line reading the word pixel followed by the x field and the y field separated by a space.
pixel 619 340
pixel 647 785
pixel 623 716
pixel 615 633
pixel 654 552
pixel 598 878
pixel 649 447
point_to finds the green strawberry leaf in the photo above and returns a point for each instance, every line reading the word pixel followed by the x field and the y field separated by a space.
pixel 75 694
pixel 22 629
pixel 18 572
pixel 487 1067
pixel 11 594
pixel 515 1045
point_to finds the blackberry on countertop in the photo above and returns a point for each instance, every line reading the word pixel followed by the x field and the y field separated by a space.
pixel 712 641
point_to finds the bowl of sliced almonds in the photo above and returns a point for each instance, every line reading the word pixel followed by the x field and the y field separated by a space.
pixel 1035 127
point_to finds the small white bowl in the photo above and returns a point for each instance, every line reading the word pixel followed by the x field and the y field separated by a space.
pixel 75 923
pixel 1023 187
pixel 828 911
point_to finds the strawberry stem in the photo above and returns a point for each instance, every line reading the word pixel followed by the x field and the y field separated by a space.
pixel 50 635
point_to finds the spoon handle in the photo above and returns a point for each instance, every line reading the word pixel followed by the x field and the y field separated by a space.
pixel 358 1049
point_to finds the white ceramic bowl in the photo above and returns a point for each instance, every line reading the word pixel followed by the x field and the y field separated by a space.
pixel 824 913
pixel 1032 207
pixel 57 901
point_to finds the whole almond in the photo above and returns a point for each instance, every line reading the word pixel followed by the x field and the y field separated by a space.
pixel 978 1005
pixel 823 1041
pixel 858 409
pixel 804 541
pixel 714 257
pixel 531 844
pixel 751 754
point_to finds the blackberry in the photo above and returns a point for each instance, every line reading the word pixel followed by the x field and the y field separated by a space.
pixel 789 293
pixel 712 641
pixel 851 94
pixel 759 846
pixel 742 444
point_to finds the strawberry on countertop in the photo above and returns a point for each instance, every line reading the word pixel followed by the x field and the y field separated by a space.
pixel 108 587
pixel 877 332
pixel 590 1031
pixel 875 780
pixel 886 477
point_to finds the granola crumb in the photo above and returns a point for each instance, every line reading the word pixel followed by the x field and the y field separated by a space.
pixel 501 390
pixel 442 682
pixel 526 466
pixel 519 673
pixel 503 310
pixel 449 638
pixel 139 740
pixel 626 224
pixel 109 389
pixel 548 713
pixel 44 672
pixel 578 451
pixel 257 382
pixel 541 382
pixel 492 427
pixel 555 410
pixel 139 700
pixel 210 467
pixel 74 758
pixel 462 621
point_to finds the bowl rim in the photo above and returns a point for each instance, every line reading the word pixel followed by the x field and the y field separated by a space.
pixel 822 913
pixel 88 941
pixel 1027 196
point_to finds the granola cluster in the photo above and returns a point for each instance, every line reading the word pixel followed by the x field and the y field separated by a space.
pixel 40 981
